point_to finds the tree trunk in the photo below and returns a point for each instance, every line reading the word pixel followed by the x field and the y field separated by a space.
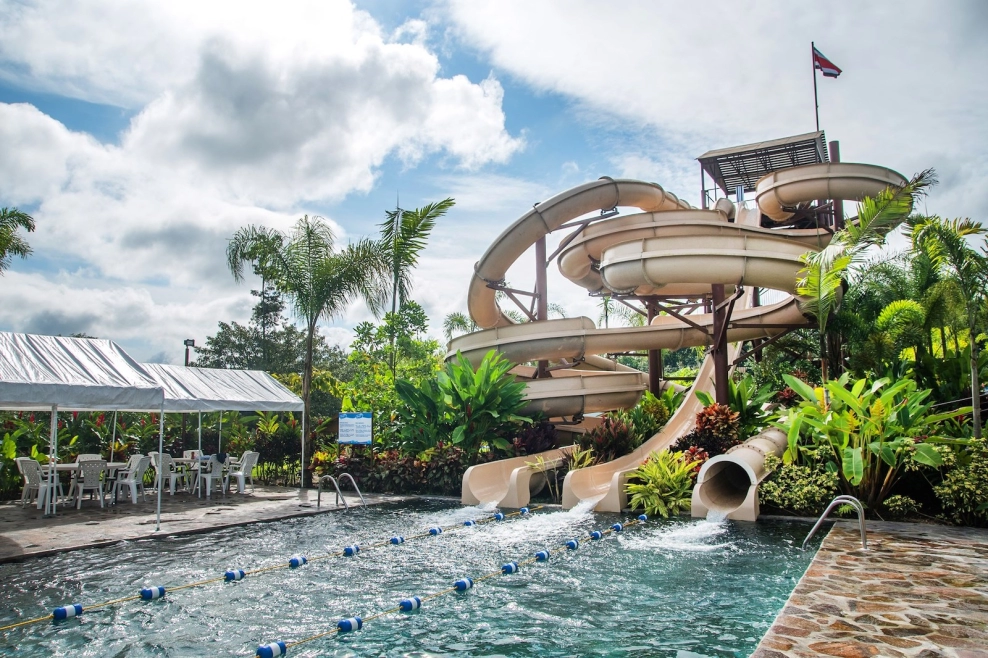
pixel 306 395
pixel 943 342
pixel 975 384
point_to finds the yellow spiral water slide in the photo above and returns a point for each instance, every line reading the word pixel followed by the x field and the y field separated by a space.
pixel 668 249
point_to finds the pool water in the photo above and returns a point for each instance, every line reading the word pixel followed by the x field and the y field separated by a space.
pixel 681 588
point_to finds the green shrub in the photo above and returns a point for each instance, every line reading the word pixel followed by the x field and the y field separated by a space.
pixel 799 490
pixel 716 431
pixel 964 490
pixel 663 484
pixel 537 437
pixel 646 418
pixel 748 402
pixel 472 409
pixel 900 507
pixel 611 439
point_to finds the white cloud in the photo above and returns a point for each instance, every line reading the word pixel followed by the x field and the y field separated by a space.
pixel 247 114
pixel 715 74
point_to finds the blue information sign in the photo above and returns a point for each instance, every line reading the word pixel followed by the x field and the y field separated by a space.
pixel 355 428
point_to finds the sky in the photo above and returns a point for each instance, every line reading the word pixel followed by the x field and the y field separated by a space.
pixel 142 135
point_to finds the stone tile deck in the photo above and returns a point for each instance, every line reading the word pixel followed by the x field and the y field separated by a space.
pixel 919 591
pixel 24 533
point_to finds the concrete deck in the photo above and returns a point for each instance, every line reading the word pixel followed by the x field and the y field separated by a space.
pixel 24 533
pixel 919 590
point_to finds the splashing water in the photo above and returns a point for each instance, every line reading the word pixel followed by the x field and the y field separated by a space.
pixel 697 535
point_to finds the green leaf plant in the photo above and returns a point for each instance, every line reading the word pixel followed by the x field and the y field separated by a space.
pixel 865 431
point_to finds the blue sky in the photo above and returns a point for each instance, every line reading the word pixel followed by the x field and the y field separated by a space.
pixel 141 135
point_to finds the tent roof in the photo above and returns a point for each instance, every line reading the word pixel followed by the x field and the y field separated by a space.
pixel 218 389
pixel 74 374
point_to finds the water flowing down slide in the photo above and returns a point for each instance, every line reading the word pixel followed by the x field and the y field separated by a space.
pixel 668 249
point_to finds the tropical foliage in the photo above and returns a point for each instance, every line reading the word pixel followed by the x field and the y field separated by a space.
pixel 663 484
pixel 11 243
pixel 865 431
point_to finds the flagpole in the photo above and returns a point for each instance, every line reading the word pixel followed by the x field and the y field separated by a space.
pixel 816 101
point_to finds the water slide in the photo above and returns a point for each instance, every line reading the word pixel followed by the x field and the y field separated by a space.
pixel 667 249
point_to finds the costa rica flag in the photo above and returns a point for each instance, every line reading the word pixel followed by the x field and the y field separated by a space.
pixel 821 62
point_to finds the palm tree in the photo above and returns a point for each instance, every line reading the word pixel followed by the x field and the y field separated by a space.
pixel 945 242
pixel 403 237
pixel 319 281
pixel 824 271
pixel 11 244
pixel 458 323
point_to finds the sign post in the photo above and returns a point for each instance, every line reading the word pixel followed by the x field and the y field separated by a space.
pixel 356 428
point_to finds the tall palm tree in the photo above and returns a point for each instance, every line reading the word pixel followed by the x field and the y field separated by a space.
pixel 403 236
pixel 11 244
pixel 823 273
pixel 458 323
pixel 319 280
pixel 945 242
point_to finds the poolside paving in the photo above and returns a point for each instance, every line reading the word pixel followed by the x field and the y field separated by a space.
pixel 24 533
pixel 920 590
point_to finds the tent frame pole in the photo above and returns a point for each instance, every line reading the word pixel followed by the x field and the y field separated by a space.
pixel 113 438
pixel 50 506
pixel 161 479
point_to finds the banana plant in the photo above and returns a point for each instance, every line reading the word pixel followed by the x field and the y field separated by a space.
pixel 869 431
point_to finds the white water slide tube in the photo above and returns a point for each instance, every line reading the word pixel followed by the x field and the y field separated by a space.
pixel 669 249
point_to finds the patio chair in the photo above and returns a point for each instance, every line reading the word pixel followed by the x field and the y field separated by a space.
pixel 243 470
pixel 83 457
pixel 90 476
pixel 213 470
pixel 168 468
pixel 133 477
pixel 35 477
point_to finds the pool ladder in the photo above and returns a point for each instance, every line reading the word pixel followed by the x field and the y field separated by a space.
pixel 842 500
pixel 339 494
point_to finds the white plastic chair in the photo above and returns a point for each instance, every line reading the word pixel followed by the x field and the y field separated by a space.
pixel 83 457
pixel 168 468
pixel 90 476
pixel 245 469
pixel 133 477
pixel 212 471
pixel 31 470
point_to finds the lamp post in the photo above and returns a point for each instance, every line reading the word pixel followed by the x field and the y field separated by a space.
pixel 188 342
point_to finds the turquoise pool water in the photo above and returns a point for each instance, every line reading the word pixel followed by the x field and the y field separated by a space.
pixel 678 588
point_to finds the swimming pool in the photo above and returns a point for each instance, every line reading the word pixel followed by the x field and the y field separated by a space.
pixel 681 588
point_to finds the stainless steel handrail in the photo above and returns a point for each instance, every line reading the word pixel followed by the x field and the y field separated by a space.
pixel 339 494
pixel 355 488
pixel 322 481
pixel 841 500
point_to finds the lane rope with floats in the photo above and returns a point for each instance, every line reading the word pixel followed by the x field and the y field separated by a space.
pixel 157 592
pixel 351 624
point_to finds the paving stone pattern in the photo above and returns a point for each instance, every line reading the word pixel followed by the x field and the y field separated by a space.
pixel 919 591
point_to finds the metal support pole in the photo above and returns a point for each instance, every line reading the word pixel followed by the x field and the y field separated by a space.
pixel 654 357
pixel 838 203
pixel 160 476
pixel 52 487
pixel 542 308
pixel 719 351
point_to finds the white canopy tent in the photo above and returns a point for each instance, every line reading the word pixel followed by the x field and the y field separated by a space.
pixel 52 373
pixel 197 390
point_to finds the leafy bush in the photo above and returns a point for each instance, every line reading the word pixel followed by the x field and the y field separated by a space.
pixel 716 431
pixel 438 470
pixel 646 418
pixel 900 507
pixel 663 484
pixel 799 490
pixel 537 437
pixel 871 431
pixel 748 402
pixel 611 439
pixel 472 409
pixel 964 490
